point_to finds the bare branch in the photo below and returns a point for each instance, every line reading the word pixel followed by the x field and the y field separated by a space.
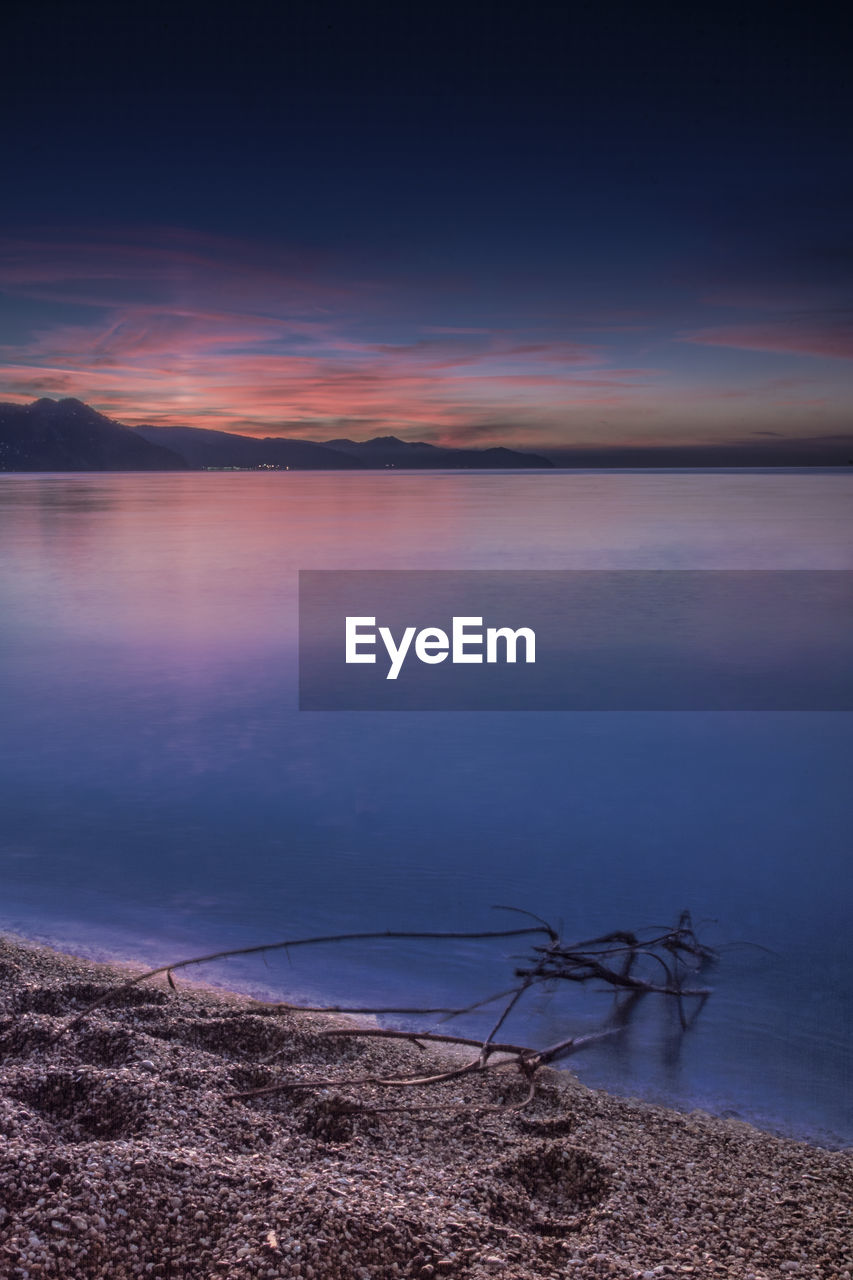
pixel 288 944
pixel 634 965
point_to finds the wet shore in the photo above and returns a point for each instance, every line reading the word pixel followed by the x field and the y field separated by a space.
pixel 125 1153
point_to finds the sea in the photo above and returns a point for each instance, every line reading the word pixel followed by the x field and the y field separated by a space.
pixel 162 795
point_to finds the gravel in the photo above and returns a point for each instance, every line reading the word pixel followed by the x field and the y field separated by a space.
pixel 122 1156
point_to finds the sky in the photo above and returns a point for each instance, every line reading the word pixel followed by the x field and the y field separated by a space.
pixel 537 226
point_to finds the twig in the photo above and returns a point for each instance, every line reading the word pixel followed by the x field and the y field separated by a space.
pixel 381 1033
pixel 288 944
pixel 403 1082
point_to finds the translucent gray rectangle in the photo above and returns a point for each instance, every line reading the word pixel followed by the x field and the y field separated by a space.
pixel 647 640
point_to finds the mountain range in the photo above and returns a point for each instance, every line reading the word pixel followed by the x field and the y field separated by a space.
pixel 388 451
pixel 67 435
pixel 203 448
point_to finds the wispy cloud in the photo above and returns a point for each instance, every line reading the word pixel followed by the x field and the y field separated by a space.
pixel 804 337
pixel 178 328
pixel 185 329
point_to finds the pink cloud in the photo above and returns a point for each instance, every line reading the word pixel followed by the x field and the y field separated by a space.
pixel 199 330
pixel 791 338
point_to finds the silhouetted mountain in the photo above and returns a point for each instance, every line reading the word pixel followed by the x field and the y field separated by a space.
pixel 67 435
pixel 389 451
pixel 204 448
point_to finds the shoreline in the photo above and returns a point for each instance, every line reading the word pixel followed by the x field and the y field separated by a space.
pixel 115 956
pixel 123 1156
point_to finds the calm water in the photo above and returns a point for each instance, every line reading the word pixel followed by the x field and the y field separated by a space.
pixel 161 795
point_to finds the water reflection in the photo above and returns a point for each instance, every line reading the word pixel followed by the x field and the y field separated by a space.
pixel 162 796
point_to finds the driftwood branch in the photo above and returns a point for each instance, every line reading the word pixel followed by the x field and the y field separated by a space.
pixel 287 945
pixel 660 961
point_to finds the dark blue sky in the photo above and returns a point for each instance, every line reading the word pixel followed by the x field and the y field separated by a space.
pixel 477 222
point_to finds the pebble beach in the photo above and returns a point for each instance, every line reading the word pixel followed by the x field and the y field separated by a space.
pixel 125 1153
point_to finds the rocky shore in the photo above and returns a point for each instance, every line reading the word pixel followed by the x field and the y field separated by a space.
pixel 124 1155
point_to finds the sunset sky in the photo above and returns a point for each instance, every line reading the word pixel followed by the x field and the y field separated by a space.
pixel 478 224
